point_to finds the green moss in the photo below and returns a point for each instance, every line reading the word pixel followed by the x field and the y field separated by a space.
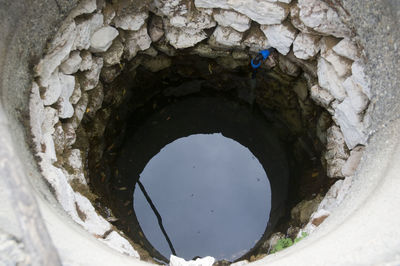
pixel 287 242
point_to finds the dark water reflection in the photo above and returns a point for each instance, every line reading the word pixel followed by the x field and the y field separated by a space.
pixel 213 195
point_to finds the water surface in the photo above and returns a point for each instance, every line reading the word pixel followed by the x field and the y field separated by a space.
pixel 213 195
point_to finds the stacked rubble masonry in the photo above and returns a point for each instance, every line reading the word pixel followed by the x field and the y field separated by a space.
pixel 95 39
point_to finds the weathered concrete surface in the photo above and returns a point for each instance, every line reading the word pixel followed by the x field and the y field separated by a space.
pixel 349 236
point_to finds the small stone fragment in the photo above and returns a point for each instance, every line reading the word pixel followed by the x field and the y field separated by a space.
pixel 76 94
pixel 350 167
pixel 113 54
pixel 329 80
pixel 358 99
pixel 228 18
pixel 87 61
pixel 69 134
pixel 108 74
pixel 359 77
pixel 306 46
pixel 301 212
pixel 65 109
pixel 83 7
pixel 156 30
pixel 351 124
pixel 51 94
pixel 136 41
pixel 341 65
pixel 256 40
pixel 130 21
pixel 184 37
pixel 348 49
pixel 90 78
pixel 72 64
pixel 280 36
pixel 288 66
pixel 226 37
pixel 96 97
pixel 85 29
pixel 73 165
pixel 337 153
pixel 320 96
pixel 205 50
pixel 102 39
pixel 108 13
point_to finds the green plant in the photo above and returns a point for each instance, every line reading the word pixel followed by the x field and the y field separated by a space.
pixel 287 242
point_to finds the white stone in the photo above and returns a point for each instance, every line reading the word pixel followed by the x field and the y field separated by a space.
pixel 87 61
pixel 132 21
pixel 85 29
pixel 320 96
pixel 297 23
pixel 226 36
pixel 348 49
pixel 59 51
pixel 280 36
pixel 263 12
pixel 170 8
pixel 72 64
pixel 350 167
pixel 90 78
pixel 53 91
pixel 317 15
pixel 50 118
pixel 65 109
pixel 306 46
pixel 177 261
pixel 341 65
pixel 228 18
pixel 181 38
pixel 256 40
pixel 359 77
pixel 136 41
pixel 351 124
pixel 113 55
pixel 102 39
pixel 329 80
pixel 93 223
pixel 69 133
pixel 83 7
pixel 358 99
pixel 117 242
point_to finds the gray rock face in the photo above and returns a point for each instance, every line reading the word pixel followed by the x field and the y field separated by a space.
pixel 280 36
pixel 156 30
pixel 102 39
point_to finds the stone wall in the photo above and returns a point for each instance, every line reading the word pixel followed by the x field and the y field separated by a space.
pixel 98 41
